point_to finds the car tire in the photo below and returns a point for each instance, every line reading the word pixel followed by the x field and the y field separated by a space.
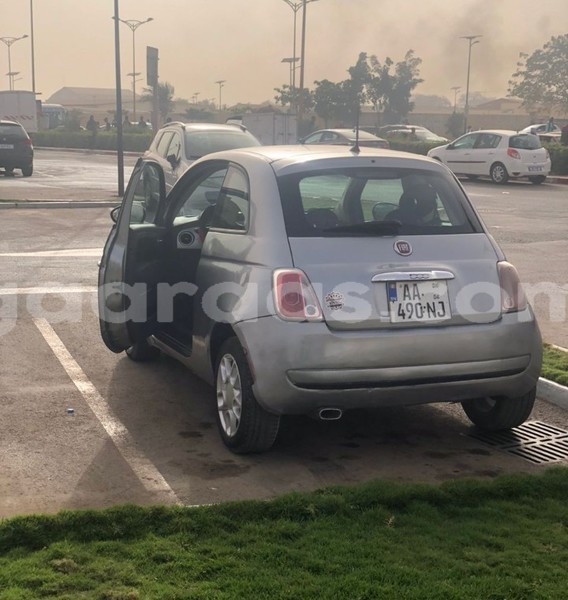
pixel 244 425
pixel 9 170
pixel 143 352
pixel 537 179
pixel 27 171
pixel 495 414
pixel 499 173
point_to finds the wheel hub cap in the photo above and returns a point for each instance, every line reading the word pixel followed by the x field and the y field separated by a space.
pixel 229 395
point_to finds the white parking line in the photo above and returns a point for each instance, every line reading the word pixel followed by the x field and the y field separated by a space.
pixel 76 252
pixel 143 468
pixel 30 291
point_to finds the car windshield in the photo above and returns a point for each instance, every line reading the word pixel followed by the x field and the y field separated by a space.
pixel 200 143
pixel 13 130
pixel 374 202
pixel 525 142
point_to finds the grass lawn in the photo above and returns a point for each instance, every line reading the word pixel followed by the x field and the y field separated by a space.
pixel 555 365
pixel 501 539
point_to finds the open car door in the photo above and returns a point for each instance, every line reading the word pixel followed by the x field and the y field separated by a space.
pixel 130 267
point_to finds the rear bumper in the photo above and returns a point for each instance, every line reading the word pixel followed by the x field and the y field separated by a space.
pixel 522 170
pixel 300 367
pixel 15 161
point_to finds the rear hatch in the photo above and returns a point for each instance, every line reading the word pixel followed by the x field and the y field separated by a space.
pixel 364 283
pixel 14 141
pixel 528 148
pixel 391 248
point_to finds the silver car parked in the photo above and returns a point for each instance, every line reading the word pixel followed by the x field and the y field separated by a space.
pixel 313 281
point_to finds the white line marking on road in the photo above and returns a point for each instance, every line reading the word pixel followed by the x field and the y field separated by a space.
pixel 143 468
pixel 74 252
pixel 29 291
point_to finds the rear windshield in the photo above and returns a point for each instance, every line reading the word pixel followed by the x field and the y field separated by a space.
pixel 16 131
pixel 200 143
pixel 374 201
pixel 526 141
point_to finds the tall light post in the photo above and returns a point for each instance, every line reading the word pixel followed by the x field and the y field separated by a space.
pixel 221 84
pixel 292 62
pixel 295 6
pixel 134 24
pixel 456 89
pixel 9 41
pixel 32 41
pixel 472 39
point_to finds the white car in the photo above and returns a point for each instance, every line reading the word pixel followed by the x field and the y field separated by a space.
pixel 541 128
pixel 499 154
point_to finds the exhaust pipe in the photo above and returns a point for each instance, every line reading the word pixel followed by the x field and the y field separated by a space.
pixel 330 414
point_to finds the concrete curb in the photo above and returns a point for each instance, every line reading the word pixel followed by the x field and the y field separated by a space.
pixel 60 204
pixel 87 151
pixel 557 179
pixel 552 392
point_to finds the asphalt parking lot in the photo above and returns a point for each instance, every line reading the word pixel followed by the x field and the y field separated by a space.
pixel 85 428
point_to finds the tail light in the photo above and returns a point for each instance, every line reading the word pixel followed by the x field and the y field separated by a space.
pixel 513 297
pixel 294 296
pixel 513 153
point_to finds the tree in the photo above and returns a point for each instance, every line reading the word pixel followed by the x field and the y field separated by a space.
pixel 390 91
pixel 455 124
pixel 294 97
pixel 542 77
pixel 165 93
pixel 329 101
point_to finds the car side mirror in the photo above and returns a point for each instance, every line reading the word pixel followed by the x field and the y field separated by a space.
pixel 114 214
pixel 173 160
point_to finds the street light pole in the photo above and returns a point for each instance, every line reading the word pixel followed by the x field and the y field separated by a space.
pixel 472 39
pixel 295 6
pixel 119 133
pixel 292 62
pixel 134 24
pixel 32 41
pixel 220 83
pixel 9 41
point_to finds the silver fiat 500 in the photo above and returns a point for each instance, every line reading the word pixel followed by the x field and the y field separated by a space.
pixel 316 280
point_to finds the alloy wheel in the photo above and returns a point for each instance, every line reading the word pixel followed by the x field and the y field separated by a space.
pixel 229 395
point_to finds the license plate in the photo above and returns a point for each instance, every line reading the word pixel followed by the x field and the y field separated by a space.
pixel 418 301
pixel 6 146
pixel 535 168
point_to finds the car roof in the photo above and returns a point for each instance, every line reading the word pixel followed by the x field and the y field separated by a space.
pixel 350 133
pixel 303 154
pixel 7 122
pixel 206 126
pixel 497 131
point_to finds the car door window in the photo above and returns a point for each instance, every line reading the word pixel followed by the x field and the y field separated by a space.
pixel 313 139
pixel 329 137
pixel 163 143
pixel 174 149
pixel 232 209
pixel 466 142
pixel 202 194
pixel 487 141
pixel 146 195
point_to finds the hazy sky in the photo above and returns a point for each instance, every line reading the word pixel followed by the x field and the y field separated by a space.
pixel 244 41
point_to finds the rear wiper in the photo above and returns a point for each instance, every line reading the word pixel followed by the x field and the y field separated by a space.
pixel 368 227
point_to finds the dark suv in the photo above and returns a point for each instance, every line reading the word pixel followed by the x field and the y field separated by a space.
pixel 16 149
pixel 177 145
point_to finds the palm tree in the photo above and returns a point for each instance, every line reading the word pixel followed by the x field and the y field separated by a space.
pixel 165 93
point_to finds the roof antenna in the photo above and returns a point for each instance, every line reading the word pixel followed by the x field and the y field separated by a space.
pixel 356 148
